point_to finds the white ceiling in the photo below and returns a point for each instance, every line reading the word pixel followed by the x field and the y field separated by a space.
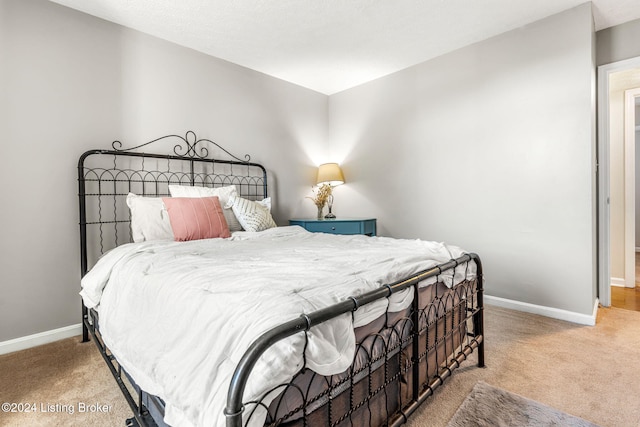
pixel 332 45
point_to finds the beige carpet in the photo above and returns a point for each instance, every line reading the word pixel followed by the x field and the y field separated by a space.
pixel 589 372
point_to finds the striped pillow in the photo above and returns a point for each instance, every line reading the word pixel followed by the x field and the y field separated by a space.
pixel 196 218
pixel 253 216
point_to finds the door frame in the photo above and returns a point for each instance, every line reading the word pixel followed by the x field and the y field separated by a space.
pixel 630 96
pixel 603 171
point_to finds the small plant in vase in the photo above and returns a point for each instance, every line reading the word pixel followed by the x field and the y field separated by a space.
pixel 320 197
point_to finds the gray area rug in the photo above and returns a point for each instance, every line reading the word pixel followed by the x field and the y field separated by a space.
pixel 491 406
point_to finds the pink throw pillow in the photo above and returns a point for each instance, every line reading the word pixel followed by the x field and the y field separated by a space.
pixel 196 218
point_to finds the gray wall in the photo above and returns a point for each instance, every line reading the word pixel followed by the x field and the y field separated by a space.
pixel 618 43
pixel 491 148
pixel 500 132
pixel 70 82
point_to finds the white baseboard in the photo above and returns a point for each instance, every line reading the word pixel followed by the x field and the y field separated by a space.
pixel 555 313
pixel 616 281
pixel 41 338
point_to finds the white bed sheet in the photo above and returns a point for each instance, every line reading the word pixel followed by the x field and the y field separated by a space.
pixel 179 316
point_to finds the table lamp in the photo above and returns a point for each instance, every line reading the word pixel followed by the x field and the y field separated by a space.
pixel 330 173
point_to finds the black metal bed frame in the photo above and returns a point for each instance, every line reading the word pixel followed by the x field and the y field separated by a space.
pixel 451 323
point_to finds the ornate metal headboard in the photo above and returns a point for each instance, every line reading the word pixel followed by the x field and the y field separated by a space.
pixel 105 177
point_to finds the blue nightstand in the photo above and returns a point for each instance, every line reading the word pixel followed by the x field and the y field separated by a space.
pixel 338 226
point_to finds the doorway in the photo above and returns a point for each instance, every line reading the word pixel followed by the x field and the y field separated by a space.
pixel 618 86
pixel 627 296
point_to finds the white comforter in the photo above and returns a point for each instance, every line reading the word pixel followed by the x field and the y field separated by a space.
pixel 179 316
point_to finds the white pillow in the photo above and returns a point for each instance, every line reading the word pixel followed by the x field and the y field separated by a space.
pixel 222 193
pixel 149 219
pixel 254 216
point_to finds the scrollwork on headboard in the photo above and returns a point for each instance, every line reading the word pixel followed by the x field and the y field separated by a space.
pixel 188 147
pixel 106 177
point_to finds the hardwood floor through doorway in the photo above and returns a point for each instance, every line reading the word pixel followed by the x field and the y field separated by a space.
pixel 628 298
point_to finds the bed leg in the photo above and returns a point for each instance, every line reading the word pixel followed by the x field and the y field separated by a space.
pixel 85 318
pixel 479 331
pixel 478 317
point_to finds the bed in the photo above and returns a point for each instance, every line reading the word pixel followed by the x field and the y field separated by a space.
pixel 262 325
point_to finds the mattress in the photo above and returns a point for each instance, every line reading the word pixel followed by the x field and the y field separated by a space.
pixel 179 316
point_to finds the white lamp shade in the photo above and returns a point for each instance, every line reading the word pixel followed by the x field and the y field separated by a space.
pixel 330 173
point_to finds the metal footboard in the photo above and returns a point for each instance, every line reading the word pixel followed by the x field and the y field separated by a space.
pixel 414 351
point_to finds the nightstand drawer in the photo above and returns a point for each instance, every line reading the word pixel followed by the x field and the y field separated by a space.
pixel 338 226
pixel 335 227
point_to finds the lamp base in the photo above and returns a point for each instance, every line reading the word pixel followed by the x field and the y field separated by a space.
pixel 329 216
